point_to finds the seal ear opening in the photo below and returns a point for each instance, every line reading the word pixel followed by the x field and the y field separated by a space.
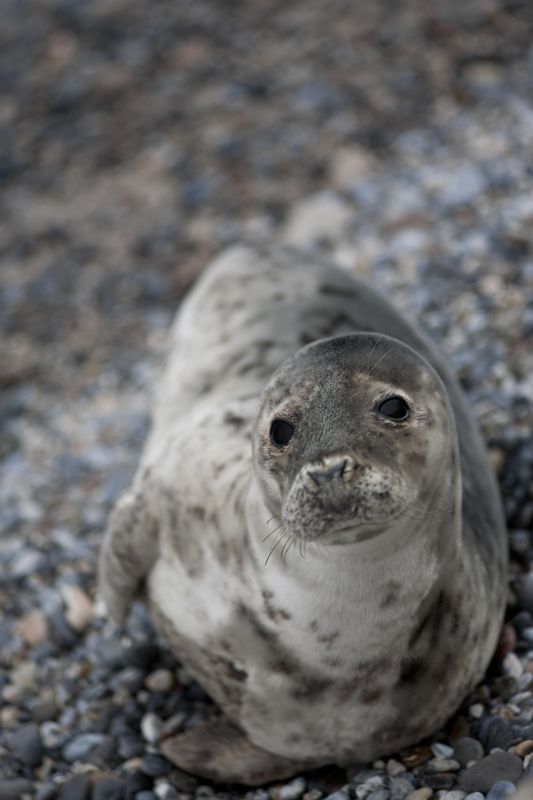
pixel 128 552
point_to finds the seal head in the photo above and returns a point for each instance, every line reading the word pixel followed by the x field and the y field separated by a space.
pixel 352 434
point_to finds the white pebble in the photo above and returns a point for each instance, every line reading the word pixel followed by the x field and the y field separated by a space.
pixel 151 727
pixel 441 750
pixel 476 711
pixel 512 666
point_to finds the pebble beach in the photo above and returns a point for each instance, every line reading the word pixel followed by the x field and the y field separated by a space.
pixel 139 139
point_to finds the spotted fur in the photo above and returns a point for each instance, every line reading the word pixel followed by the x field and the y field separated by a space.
pixel 326 618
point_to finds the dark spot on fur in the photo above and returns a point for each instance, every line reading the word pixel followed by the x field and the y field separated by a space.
pixel 310 688
pixel 330 661
pixel 313 625
pixel 390 599
pixel 328 638
pixel 410 670
pixel 256 624
pixel 369 696
pixel 392 593
pixel 198 512
pixel 235 420
pixel 274 613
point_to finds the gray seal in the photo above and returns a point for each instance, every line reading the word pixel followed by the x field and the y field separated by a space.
pixel 314 523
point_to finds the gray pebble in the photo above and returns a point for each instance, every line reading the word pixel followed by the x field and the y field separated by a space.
pixel 155 765
pixel 14 788
pixel 27 745
pixel 77 788
pixel 108 789
pixel 340 794
pixel 475 796
pixel 399 788
pixel 499 766
pixel 146 795
pixel 81 745
pixel 501 790
pixel 467 749
pixel 379 794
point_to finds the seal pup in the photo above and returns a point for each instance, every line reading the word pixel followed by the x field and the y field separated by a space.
pixel 314 523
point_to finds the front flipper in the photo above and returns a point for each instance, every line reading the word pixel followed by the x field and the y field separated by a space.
pixel 128 552
pixel 219 751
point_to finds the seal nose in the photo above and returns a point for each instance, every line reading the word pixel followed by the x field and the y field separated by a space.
pixel 328 472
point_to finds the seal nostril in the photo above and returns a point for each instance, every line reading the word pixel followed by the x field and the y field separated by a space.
pixel 321 476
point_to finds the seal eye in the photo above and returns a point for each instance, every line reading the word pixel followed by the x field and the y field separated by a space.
pixel 281 432
pixel 394 408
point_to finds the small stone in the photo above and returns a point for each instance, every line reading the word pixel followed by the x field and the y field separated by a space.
pixel 141 655
pixel 467 750
pixel 160 680
pixel 151 727
pixel 475 796
pixel 440 780
pixel 394 767
pixel 81 745
pixel 9 716
pixel 107 788
pixel 136 782
pixel 15 788
pixel 33 627
pixel 512 666
pixel 420 794
pixel 379 794
pixel 145 795
pixel 399 788
pixel 364 790
pixel 454 795
pixel 476 711
pixel 52 734
pixel 498 766
pixel 26 742
pixel 442 765
pixel 501 790
pixel 291 791
pixel 78 607
pixel 165 791
pixel 77 788
pixel 441 750
pixel 42 712
pixel 23 676
pixel 155 765
pixel 523 748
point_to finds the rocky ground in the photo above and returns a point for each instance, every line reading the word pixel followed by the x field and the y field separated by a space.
pixel 138 138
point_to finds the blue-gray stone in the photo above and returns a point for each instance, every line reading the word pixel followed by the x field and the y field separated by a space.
pixel 501 790
pixel 81 745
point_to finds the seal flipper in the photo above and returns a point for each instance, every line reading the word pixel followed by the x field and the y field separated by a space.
pixel 219 751
pixel 128 552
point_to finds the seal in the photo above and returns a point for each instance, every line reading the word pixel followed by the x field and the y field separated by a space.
pixel 314 523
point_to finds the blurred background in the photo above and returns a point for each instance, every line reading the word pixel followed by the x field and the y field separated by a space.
pixel 136 140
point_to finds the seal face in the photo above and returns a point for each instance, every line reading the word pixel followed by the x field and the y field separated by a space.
pixel 351 433
pixel 314 522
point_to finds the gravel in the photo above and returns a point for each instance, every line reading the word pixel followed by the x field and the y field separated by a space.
pixel 137 140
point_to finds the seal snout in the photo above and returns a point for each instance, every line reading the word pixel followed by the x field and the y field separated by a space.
pixel 331 468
